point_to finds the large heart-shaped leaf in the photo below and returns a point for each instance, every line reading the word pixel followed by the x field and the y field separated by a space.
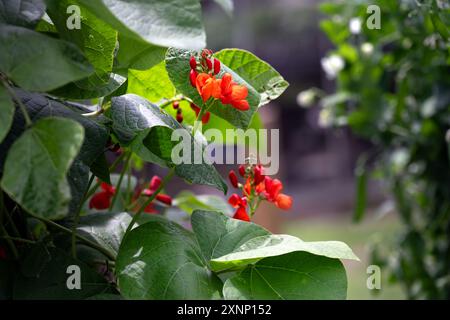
pixel 276 245
pixel 36 166
pixel 136 54
pixel 52 277
pixel 7 112
pixel 39 106
pixel 40 63
pixel 256 72
pixel 219 235
pixel 153 84
pixel 97 40
pixel 293 276
pixel 105 228
pixel 165 23
pixel 161 260
pixel 24 13
pixel 138 123
pixel 178 68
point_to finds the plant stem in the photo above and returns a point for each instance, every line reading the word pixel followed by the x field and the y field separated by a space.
pixel 19 239
pixel 88 242
pixel 172 100
pixel 150 199
pixel 23 109
pixel 77 218
pixel 198 120
pixel 11 244
pixel 119 183
pixel 111 168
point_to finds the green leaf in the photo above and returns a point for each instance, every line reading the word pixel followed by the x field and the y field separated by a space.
pixel 161 260
pixel 137 122
pixel 24 13
pixel 137 54
pixel 97 40
pixel 37 163
pixel 219 235
pixel 51 282
pixel 78 179
pixel 176 23
pixel 188 202
pixel 7 112
pixel 81 90
pixel 100 168
pixel 256 72
pixel 294 276
pixel 37 62
pixel 105 228
pixel 276 245
pixel 178 68
pixel 153 84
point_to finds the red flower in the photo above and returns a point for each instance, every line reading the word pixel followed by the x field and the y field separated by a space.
pixel 193 77
pixel 233 178
pixel 216 66
pixel 241 214
pixel 164 198
pixel 258 172
pixel 242 170
pixel 207 86
pixel 241 205
pixel 102 200
pixel 155 183
pixel 273 193
pixel 193 63
pixel 233 93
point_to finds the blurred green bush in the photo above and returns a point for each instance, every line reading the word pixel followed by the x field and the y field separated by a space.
pixel 393 88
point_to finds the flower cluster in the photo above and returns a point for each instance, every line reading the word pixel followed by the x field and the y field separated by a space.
pixel 102 200
pixel 203 77
pixel 257 187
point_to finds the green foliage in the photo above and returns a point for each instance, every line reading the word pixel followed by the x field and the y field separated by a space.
pixel 36 166
pixel 396 88
pixel 73 98
pixel 278 278
pixel 161 260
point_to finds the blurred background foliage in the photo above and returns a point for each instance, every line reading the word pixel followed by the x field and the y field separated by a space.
pixel 375 149
pixel 393 88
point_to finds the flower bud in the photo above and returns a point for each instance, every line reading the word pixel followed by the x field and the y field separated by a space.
pixel 179 117
pixel 155 183
pixel 216 66
pixel 176 105
pixel 242 170
pixel 164 198
pixel 193 77
pixel 193 63
pixel 209 64
pixel 205 118
pixel 233 178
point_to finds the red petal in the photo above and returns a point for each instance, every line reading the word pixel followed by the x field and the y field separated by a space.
pixel 155 183
pixel 241 105
pixel 100 201
pixel 164 198
pixel 234 200
pixel 241 214
pixel 283 202
pixel 233 178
